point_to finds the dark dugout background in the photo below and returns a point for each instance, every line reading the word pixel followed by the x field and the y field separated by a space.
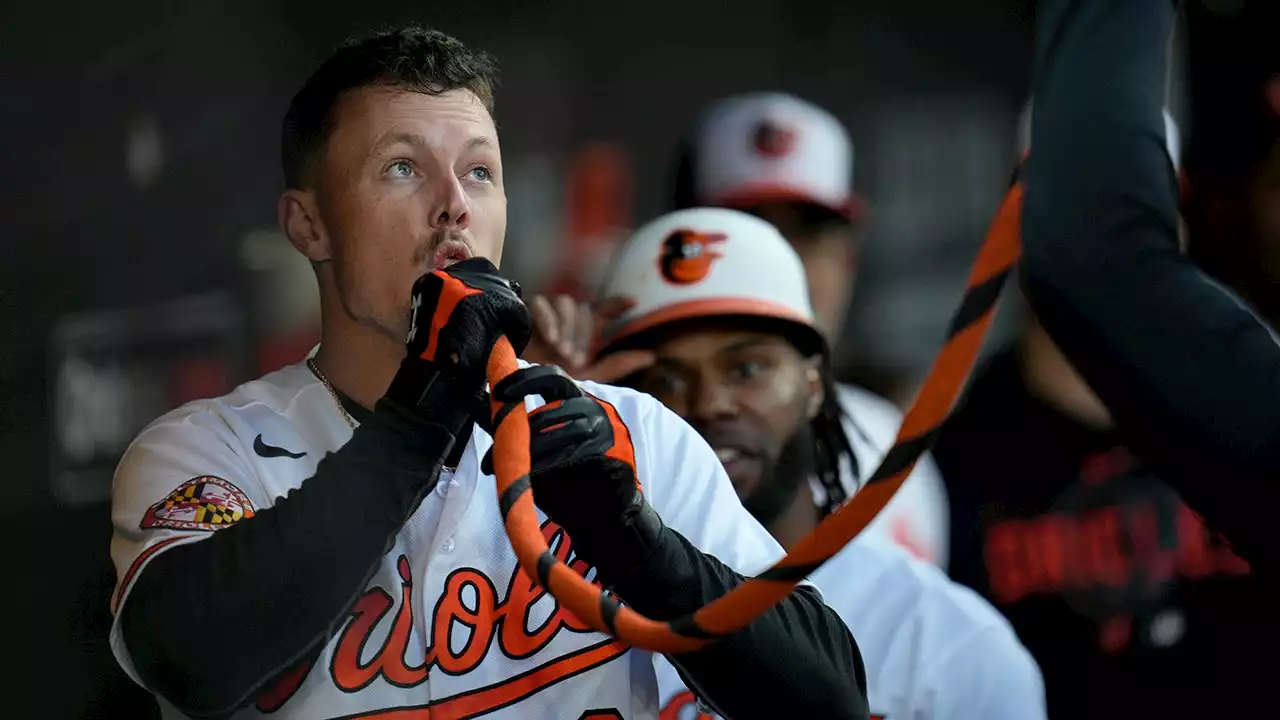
pixel 141 157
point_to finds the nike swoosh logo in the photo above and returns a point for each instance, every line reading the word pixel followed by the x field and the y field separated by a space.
pixel 271 451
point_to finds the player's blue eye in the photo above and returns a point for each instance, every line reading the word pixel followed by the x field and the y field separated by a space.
pixel 400 169
pixel 481 174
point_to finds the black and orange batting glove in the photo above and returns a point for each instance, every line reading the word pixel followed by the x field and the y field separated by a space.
pixel 457 315
pixel 583 470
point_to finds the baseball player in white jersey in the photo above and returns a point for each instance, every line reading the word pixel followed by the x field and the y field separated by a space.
pixel 324 541
pixel 719 297
pixel 790 162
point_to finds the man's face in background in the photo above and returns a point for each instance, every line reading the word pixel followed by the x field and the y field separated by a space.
pixel 828 246
pixel 751 395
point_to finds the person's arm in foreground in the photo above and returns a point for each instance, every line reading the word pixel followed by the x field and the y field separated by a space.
pixel 1190 375
pixel 796 660
pixel 281 579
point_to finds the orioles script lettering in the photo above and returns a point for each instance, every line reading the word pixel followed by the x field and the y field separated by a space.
pixel 470 601
pixel 504 619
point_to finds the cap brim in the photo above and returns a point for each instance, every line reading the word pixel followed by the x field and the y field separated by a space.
pixel 852 208
pixel 705 308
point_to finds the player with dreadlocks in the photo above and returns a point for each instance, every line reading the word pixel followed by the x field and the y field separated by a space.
pixel 789 162
pixel 720 300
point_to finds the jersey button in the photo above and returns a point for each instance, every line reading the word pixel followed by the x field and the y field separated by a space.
pixel 447 546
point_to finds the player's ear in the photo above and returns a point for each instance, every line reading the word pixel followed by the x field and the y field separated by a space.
pixel 299 218
pixel 817 392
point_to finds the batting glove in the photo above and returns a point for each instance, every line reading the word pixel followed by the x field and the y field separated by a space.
pixel 583 470
pixel 458 314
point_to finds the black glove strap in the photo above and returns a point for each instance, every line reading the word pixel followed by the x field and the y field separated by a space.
pixel 424 391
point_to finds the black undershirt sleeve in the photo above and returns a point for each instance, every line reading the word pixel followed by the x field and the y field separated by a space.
pixel 284 578
pixel 797 660
pixel 1191 376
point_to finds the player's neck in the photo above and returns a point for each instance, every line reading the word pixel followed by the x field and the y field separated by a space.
pixel 1050 377
pixel 798 520
pixel 358 360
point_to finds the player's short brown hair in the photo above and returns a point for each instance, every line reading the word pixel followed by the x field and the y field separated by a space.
pixel 409 57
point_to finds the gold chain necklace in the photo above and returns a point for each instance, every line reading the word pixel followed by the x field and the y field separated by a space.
pixel 311 363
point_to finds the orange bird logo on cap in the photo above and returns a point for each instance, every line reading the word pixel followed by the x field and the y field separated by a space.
pixel 687 256
pixel 773 141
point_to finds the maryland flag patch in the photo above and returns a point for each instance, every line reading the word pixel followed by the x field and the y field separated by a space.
pixel 202 503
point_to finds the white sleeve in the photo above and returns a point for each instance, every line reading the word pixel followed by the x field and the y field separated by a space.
pixel 989 677
pixel 918 517
pixel 924 505
pixel 179 481
pixel 685 482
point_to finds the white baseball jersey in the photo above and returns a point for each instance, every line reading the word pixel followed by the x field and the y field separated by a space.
pixel 918 517
pixel 448 627
pixel 933 649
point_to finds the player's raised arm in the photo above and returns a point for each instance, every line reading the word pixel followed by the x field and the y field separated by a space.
pixel 210 620
pixel 589 468
pixel 1190 375
pixel 798 659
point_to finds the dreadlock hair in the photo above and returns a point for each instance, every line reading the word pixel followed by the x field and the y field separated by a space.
pixel 831 443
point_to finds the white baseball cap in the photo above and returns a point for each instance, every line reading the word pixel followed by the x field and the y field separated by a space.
pixel 708 262
pixel 763 147
pixel 1172 136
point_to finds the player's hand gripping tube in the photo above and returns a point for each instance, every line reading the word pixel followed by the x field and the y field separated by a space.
pixel 724 616
pixel 457 314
